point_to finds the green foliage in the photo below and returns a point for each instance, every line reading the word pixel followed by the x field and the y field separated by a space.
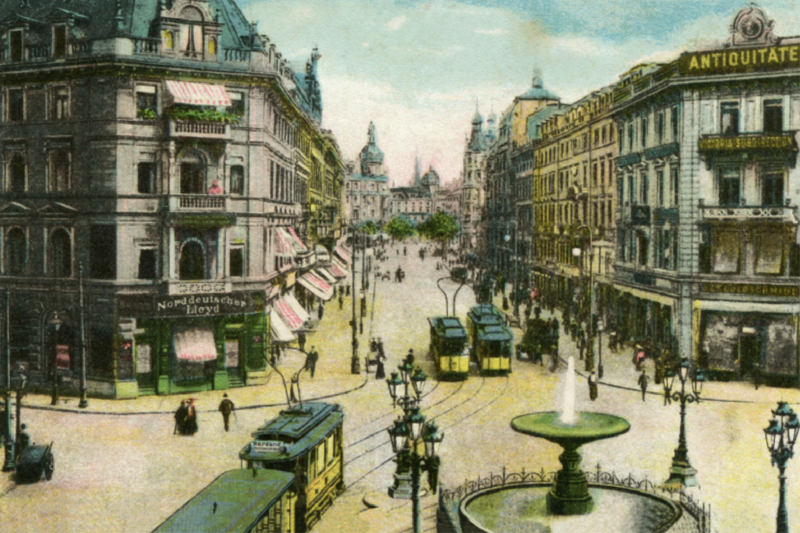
pixel 202 114
pixel 399 228
pixel 146 114
pixel 370 228
pixel 441 227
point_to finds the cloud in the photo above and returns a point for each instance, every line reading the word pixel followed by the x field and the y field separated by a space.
pixel 396 22
pixel 496 31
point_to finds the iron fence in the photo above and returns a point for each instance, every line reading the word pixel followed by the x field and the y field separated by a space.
pixel 450 499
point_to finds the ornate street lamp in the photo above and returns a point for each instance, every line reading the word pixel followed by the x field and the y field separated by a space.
pixel 681 472
pixel 600 328
pixel 577 251
pixel 8 463
pixel 406 435
pixel 781 434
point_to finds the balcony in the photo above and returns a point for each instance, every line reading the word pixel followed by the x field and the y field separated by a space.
pixel 197 202
pixel 749 213
pixel 196 129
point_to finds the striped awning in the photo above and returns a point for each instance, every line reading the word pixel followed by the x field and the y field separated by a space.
pixel 344 254
pixel 280 331
pixel 195 344
pixel 283 243
pixel 296 307
pixel 318 287
pixel 324 274
pixel 187 92
pixel 299 247
pixel 337 269
pixel 288 315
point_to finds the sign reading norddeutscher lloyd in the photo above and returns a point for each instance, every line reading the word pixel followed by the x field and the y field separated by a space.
pixel 739 60
pixel 189 305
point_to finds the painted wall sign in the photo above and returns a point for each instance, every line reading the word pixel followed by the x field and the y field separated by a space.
pixel 753 290
pixel 739 60
pixel 191 305
pixel 756 142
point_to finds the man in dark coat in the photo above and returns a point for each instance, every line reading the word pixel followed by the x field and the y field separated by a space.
pixel 643 380
pixel 180 416
pixel 341 300
pixel 593 386
pixel 226 408
pixel 320 310
pixel 190 422
pixel 313 356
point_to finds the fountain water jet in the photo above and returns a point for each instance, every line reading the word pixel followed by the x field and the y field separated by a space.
pixel 568 404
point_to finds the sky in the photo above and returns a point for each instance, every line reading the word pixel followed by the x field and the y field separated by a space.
pixel 419 68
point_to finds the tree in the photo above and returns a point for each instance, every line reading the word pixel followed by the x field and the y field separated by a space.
pixel 370 228
pixel 442 228
pixel 399 228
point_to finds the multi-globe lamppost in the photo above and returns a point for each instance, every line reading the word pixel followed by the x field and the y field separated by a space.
pixel 577 251
pixel 408 433
pixel 681 473
pixel 781 436
pixel 355 364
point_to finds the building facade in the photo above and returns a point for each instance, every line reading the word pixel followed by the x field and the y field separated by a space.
pixel 473 195
pixel 162 169
pixel 418 202
pixel 367 196
pixel 707 233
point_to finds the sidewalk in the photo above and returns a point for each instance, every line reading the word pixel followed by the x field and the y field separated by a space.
pixel 620 372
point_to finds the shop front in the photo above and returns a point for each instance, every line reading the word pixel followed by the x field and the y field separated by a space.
pixel 194 342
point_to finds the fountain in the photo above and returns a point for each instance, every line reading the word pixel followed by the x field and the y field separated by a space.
pixel 568 503
pixel 570 430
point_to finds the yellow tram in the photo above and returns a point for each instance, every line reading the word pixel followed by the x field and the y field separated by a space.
pixel 491 340
pixel 306 441
pixel 449 347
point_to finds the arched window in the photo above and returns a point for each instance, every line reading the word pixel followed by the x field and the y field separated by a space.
pixel 169 40
pixel 16 174
pixel 193 174
pixel 192 262
pixel 16 252
pixel 60 254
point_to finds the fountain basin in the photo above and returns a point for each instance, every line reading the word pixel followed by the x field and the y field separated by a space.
pixel 512 509
pixel 570 492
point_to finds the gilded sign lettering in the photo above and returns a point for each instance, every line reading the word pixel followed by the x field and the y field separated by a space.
pixel 762 142
pixel 788 291
pixel 741 60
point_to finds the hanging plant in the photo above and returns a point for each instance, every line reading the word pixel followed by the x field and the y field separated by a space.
pixel 202 114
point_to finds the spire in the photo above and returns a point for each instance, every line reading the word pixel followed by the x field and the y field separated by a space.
pixel 537 78
pixel 417 172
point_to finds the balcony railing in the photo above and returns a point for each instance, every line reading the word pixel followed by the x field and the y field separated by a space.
pixel 199 129
pixel 197 202
pixel 146 46
pixel 780 213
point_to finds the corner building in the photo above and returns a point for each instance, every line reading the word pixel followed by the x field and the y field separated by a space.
pixel 708 184
pixel 166 151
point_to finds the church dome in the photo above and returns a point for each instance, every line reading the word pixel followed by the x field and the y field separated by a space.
pixel 431 178
pixel 371 154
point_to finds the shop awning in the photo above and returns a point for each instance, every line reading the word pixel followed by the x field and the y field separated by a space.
pixel 338 270
pixel 299 247
pixel 288 315
pixel 283 243
pixel 187 92
pixel 195 344
pixel 344 254
pixel 324 274
pixel 316 285
pixel 296 307
pixel 280 331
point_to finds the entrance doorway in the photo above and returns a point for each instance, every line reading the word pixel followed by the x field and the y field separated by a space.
pixel 749 353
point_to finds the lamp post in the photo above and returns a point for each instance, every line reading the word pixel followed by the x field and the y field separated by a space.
pixel 781 436
pixel 406 435
pixel 589 329
pixel 84 403
pixel 516 260
pixel 681 472
pixel 8 448
pixel 600 328
pixel 355 364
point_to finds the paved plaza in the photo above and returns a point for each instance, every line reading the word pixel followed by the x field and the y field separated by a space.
pixel 120 468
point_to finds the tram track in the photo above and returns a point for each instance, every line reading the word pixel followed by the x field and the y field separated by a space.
pixel 468 415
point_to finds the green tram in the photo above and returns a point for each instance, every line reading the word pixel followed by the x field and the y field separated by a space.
pixel 449 347
pixel 492 342
pixel 306 441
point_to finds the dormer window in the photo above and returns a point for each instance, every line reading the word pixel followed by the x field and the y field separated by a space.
pixel 59 41
pixel 15 45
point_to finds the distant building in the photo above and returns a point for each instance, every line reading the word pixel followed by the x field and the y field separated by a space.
pixel 472 192
pixel 417 202
pixel 367 187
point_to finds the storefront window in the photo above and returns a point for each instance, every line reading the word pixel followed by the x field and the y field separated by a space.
pixel 772 187
pixel 729 187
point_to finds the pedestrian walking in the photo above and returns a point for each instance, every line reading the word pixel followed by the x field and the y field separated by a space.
pixel 644 379
pixel 756 375
pixel 180 417
pixel 593 386
pixel 341 301
pixel 320 310
pixel 381 353
pixel 639 357
pixel 226 408
pixel 313 357
pixel 301 341
pixel 380 373
pixel 190 422
pixel 404 251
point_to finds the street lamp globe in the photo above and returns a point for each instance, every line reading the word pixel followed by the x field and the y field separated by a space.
pixel 792 428
pixel 405 371
pixel 398 434
pixel 507 238
pixel 697 382
pixel 416 420
pixel 684 369
pixel 393 382
pixel 771 434
pixel 576 252
pixel 669 379
pixel 432 439
pixel 418 382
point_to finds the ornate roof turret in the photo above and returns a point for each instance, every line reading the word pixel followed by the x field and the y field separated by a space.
pixel 431 178
pixel 371 154
pixel 477 142
pixel 537 90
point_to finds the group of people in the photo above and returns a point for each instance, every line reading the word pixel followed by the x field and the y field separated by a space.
pixel 378 357
pixel 186 418
pixel 541 336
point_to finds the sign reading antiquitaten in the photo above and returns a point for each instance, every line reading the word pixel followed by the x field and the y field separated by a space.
pixel 735 60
